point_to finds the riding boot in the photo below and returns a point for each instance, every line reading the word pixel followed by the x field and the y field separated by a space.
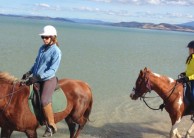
pixel 49 117
pixel 192 117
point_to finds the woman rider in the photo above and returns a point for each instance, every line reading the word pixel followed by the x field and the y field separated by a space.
pixel 43 72
pixel 188 75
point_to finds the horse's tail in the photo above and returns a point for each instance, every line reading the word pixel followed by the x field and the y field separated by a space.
pixel 89 109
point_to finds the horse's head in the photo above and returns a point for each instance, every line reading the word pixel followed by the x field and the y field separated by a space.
pixel 142 84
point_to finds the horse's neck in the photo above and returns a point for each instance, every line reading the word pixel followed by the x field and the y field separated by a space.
pixel 13 95
pixel 161 86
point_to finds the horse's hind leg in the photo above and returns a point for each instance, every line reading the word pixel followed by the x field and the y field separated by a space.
pixel 71 126
pixel 82 121
pixel 31 133
pixel 6 133
pixel 189 131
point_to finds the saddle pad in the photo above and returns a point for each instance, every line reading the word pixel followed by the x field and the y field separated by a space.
pixel 187 94
pixel 59 101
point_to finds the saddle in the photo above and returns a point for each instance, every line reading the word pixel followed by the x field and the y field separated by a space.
pixel 36 102
pixel 188 97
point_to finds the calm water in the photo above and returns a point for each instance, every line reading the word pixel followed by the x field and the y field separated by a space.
pixel 109 59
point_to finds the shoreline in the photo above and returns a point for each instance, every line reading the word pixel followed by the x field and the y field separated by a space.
pixel 138 25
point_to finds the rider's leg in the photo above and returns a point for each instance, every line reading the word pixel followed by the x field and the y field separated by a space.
pixel 46 99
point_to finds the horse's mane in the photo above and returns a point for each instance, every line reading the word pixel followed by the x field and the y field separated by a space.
pixel 5 76
pixel 163 77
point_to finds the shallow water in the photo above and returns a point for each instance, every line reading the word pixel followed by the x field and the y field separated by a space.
pixel 109 59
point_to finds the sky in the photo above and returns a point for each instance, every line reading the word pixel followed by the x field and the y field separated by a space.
pixel 149 11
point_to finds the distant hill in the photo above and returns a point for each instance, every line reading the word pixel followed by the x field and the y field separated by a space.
pixel 185 27
pixel 191 24
pixel 49 18
pixel 161 26
pixel 88 21
pixel 39 17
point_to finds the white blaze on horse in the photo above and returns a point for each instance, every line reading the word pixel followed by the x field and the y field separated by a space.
pixel 170 91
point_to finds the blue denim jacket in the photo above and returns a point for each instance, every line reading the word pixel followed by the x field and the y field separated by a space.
pixel 47 62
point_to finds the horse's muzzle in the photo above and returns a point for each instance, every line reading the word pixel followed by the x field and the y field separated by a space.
pixel 133 96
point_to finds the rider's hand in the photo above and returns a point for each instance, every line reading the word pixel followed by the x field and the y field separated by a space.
pixel 183 79
pixel 26 75
pixel 183 74
pixel 33 80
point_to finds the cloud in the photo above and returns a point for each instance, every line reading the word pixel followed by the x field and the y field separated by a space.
pixel 106 1
pixel 154 2
pixel 179 15
pixel 179 2
pixel 101 11
pixel 43 5
pixel 163 16
pixel 149 2
pixel 3 11
pixel 127 14
pixel 86 9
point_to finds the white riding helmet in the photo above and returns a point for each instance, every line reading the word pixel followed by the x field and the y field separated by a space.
pixel 49 30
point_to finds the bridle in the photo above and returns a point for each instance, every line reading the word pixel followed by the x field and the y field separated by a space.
pixel 10 95
pixel 145 79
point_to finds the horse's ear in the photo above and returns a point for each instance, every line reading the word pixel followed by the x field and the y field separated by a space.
pixel 141 72
pixel 145 69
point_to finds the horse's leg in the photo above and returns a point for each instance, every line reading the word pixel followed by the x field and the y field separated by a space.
pixel 189 131
pixel 6 133
pixel 31 133
pixel 81 116
pixel 71 126
pixel 82 121
pixel 174 130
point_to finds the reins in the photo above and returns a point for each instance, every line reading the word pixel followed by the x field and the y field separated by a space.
pixel 11 96
pixel 148 86
pixel 161 107
pixel 13 91
pixel 2 110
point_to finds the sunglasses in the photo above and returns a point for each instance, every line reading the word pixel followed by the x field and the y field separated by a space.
pixel 45 37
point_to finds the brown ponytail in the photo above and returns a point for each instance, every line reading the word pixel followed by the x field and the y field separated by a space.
pixel 54 39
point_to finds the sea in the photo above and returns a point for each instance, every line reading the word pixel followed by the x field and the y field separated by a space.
pixel 109 59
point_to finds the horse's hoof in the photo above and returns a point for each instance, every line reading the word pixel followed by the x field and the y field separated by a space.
pixel 187 135
pixel 48 132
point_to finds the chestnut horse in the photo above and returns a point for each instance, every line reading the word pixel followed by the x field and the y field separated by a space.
pixel 170 91
pixel 15 114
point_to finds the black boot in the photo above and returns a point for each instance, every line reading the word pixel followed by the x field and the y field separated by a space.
pixel 192 117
